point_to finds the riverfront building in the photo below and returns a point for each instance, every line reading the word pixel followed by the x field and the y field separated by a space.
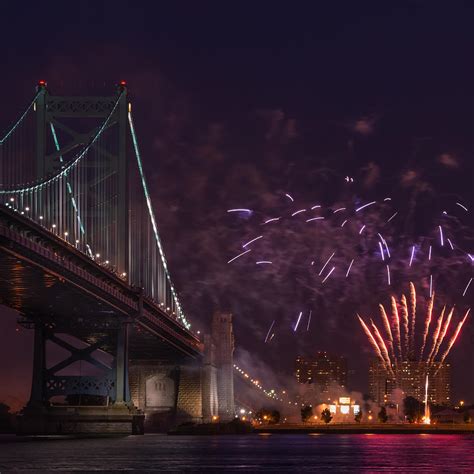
pixel 410 377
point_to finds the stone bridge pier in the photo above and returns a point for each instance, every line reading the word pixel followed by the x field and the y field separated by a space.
pixel 197 391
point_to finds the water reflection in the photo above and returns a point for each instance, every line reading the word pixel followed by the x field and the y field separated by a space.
pixel 251 453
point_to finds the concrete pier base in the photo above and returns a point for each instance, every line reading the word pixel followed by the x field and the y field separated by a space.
pixel 80 420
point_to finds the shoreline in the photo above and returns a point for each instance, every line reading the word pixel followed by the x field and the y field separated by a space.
pixel 400 428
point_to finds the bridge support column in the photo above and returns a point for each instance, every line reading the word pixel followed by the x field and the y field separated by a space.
pixel 85 408
pixel 38 385
pixel 121 367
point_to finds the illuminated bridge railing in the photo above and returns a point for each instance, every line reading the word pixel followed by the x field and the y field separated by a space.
pixel 60 254
pixel 89 189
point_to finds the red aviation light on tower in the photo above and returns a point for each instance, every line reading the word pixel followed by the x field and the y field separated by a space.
pixel 122 85
pixel 42 83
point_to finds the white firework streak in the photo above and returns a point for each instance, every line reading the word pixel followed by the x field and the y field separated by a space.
pixel 327 276
pixel 349 268
pixel 269 330
pixel 467 286
pixel 327 261
pixel 365 205
pixel 238 256
pixel 252 241
pixel 298 322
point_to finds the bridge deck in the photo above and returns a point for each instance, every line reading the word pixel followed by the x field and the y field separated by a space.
pixel 42 275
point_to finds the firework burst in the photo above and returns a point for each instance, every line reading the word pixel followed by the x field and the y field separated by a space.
pixel 383 342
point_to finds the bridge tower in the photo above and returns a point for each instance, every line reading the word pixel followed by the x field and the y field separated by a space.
pixel 64 124
pixel 223 340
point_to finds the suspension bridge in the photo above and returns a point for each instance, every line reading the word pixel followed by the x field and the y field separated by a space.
pixel 82 262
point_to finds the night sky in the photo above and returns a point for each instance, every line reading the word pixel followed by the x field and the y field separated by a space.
pixel 238 104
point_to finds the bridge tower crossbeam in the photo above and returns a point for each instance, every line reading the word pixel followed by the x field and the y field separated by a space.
pixel 62 116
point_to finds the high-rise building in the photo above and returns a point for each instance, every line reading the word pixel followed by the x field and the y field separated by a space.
pixel 323 370
pixel 223 340
pixel 410 377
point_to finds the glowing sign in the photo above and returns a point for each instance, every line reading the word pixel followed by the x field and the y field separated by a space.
pixel 332 408
pixel 356 409
pixel 344 400
pixel 345 409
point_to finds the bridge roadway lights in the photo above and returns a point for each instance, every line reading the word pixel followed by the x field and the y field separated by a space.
pixel 41 417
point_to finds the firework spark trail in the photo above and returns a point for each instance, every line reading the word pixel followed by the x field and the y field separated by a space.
pixel 273 219
pixel 383 347
pixel 289 197
pixel 248 211
pixel 464 207
pixel 269 330
pixel 327 276
pixel 298 322
pixel 298 212
pixel 252 241
pixel 412 255
pixel 413 318
pixel 365 205
pixel 384 243
pixel 441 237
pixel 436 334
pixel 372 340
pixel 442 334
pixel 327 261
pixel 388 274
pixel 309 320
pixel 406 329
pixel 429 253
pixel 349 268
pixel 427 325
pixel 393 216
pixel 431 286
pixel 388 331
pixel 396 326
pixel 467 286
pixel 453 340
pixel 238 256
pixel 381 251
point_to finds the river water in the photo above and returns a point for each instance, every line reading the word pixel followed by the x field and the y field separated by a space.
pixel 245 453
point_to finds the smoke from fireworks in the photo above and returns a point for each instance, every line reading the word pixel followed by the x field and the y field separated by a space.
pixel 406 351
